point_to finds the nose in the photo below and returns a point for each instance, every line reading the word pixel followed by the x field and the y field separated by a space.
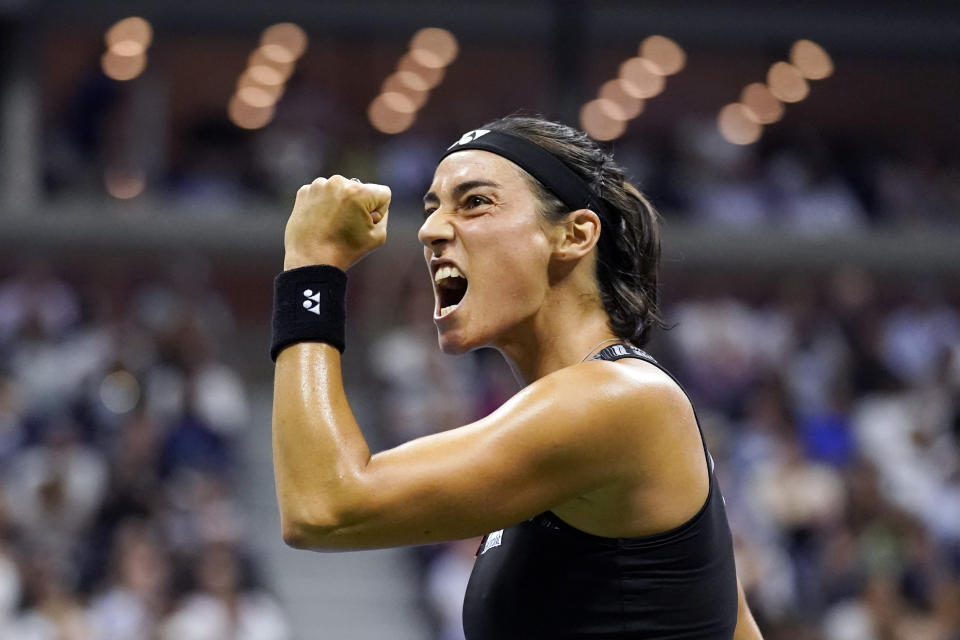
pixel 435 231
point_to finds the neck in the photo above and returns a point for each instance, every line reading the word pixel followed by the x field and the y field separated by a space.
pixel 557 336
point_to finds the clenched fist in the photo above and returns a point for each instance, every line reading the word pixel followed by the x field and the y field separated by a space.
pixel 335 221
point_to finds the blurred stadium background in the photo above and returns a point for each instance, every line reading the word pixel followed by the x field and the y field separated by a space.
pixel 805 159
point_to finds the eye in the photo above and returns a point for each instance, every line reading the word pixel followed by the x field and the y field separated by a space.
pixel 428 211
pixel 476 201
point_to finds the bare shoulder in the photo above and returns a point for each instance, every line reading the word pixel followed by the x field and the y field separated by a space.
pixel 653 449
pixel 626 402
pixel 613 389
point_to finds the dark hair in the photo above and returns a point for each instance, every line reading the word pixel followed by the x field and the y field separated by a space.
pixel 628 254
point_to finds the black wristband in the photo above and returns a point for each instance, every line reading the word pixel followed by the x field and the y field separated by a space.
pixel 309 306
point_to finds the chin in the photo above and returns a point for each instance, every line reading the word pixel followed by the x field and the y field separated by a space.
pixel 452 346
pixel 455 339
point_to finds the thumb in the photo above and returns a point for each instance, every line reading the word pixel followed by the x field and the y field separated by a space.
pixel 375 199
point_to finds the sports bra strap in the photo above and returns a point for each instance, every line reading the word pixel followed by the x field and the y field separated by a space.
pixel 624 350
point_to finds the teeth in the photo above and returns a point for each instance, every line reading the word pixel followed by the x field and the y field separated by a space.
pixel 447 271
pixel 447 310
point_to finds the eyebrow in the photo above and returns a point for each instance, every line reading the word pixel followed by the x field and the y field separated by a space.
pixel 459 190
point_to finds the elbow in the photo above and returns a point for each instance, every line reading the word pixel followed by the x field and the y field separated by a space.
pixel 324 531
pixel 307 532
pixel 320 521
pixel 295 536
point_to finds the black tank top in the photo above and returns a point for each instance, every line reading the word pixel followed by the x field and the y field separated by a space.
pixel 543 578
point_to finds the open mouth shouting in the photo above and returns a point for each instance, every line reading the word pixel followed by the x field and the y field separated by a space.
pixel 450 287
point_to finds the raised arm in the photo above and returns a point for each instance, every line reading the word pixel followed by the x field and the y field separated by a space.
pixel 560 437
pixel 544 446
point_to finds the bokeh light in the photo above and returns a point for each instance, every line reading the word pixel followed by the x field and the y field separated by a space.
pixel 128 48
pixel 418 71
pixel 250 79
pixel 386 119
pixel 119 392
pixel 256 96
pixel 124 184
pixel 259 58
pixel 263 82
pixel 642 79
pixel 736 126
pixel 134 29
pixel 263 75
pixel 248 116
pixel 122 68
pixel 616 92
pixel 666 57
pixel 596 120
pixel 127 42
pixel 396 101
pixel 278 53
pixel 786 82
pixel 285 35
pixel 762 106
pixel 431 76
pixel 434 47
pixel 410 80
pixel 811 59
pixel 401 81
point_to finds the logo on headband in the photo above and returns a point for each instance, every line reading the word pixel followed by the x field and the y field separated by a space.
pixel 470 136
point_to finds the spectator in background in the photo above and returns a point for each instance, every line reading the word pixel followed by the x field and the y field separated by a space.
pixel 55 488
pixel 917 335
pixel 11 425
pixel 423 391
pixel 53 610
pixel 810 197
pixel 11 586
pixel 101 492
pixel 224 604
pixel 720 181
pixel 136 594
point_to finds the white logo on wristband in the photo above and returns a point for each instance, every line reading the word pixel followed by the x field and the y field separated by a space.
pixel 312 302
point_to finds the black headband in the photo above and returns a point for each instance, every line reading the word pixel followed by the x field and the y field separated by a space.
pixel 551 171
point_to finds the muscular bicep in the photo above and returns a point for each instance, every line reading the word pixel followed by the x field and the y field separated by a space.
pixel 550 443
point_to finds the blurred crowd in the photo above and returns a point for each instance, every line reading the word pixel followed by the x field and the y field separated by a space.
pixel 832 409
pixel 796 178
pixel 831 406
pixel 118 430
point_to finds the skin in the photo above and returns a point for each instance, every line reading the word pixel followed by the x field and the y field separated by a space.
pixel 623 460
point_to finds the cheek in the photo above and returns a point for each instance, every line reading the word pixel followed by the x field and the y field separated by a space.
pixel 516 263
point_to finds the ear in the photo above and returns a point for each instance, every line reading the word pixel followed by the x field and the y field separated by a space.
pixel 577 235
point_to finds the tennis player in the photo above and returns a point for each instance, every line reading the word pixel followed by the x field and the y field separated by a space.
pixel 592 486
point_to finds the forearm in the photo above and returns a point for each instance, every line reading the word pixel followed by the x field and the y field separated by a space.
pixel 318 449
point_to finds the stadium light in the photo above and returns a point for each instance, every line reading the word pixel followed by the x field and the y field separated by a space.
pixel 127 42
pixel 639 78
pixel 811 59
pixel 761 104
pixel 421 69
pixel 263 82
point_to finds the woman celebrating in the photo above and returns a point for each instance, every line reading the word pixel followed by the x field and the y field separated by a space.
pixel 593 485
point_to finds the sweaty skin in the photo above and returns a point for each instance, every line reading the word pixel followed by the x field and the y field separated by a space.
pixel 604 461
